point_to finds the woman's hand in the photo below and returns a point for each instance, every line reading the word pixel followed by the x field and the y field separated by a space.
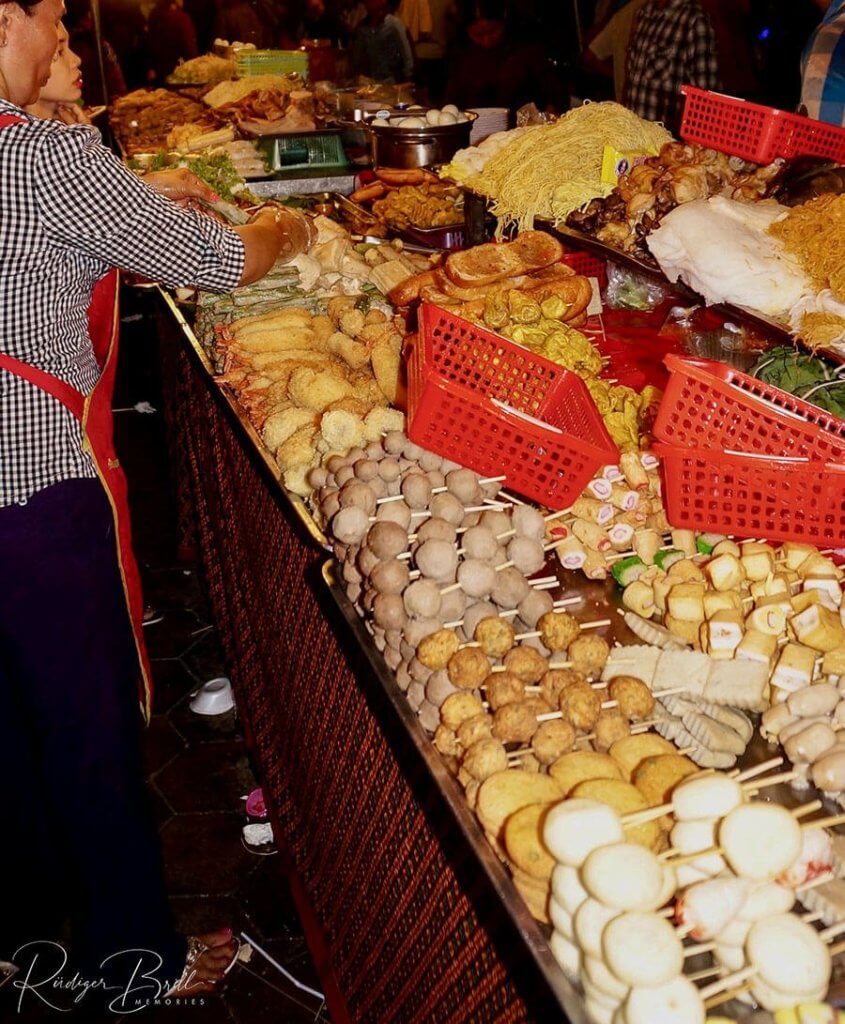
pixel 181 186
pixel 71 113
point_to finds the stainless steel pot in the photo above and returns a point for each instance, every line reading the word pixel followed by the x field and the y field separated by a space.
pixel 407 148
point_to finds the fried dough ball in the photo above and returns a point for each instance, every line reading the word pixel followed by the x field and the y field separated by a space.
pixel 558 630
pixel 552 740
pixel 526 663
pixel 514 723
pixel 435 651
pixel 581 705
pixel 611 726
pixel 556 680
pixel 468 668
pixel 475 613
pixel 458 708
pixel 503 688
pixel 634 698
pixel 479 727
pixel 446 742
pixel 538 705
pixel 485 758
pixel 588 654
pixel 495 636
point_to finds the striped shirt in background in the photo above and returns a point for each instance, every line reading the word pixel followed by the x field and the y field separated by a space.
pixel 672 44
pixel 823 68
pixel 70 211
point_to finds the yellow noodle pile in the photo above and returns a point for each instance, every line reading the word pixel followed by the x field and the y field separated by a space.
pixel 551 171
pixel 815 233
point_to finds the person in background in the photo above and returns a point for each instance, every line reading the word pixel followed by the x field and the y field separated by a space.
pixel 80 25
pixel 673 43
pixel 779 32
pixel 611 44
pixel 172 37
pixel 393 19
pixel 823 67
pixel 318 21
pixel 125 26
pixel 377 47
pixel 59 99
pixel 432 25
pixel 238 21
pixel 496 66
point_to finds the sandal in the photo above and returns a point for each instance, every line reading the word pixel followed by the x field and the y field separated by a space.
pixel 188 981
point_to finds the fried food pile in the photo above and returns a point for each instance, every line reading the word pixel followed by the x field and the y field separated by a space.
pixel 678 174
pixel 205 70
pixel 142 120
pixel 314 384
pixel 419 206
pixel 521 291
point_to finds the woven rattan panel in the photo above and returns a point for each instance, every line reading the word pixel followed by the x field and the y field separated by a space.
pixel 395 896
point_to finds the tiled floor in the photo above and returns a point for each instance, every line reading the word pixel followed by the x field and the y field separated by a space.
pixel 198 768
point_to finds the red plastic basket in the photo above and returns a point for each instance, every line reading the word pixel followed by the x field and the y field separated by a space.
pixel 754 497
pixel 712 405
pixel 492 405
pixel 755 132
pixel 587 264
pixel 747 458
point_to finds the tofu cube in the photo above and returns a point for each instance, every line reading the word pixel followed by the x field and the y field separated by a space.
pixel 818 565
pixel 759 647
pixel 685 601
pixel 725 630
pixel 661 588
pixel 781 601
pixel 795 667
pixel 771 620
pixel 770 586
pixel 727 547
pixel 721 601
pixel 818 627
pixel 794 553
pixel 684 629
pixel 833 663
pixel 725 572
pixel 686 571
pixel 826 584
pixel 810 597
pixel 758 564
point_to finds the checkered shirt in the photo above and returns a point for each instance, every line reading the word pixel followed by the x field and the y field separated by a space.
pixel 672 44
pixel 69 211
pixel 823 67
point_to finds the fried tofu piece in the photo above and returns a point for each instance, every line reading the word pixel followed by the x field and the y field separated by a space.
pixel 317 389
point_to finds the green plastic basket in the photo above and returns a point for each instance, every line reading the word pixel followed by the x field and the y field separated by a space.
pixel 303 150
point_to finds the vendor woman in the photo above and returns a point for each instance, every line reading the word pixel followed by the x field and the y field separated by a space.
pixel 78 843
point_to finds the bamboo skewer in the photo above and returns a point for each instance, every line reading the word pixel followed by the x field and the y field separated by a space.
pixel 440 490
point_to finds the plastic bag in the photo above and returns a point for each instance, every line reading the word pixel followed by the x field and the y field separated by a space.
pixel 627 289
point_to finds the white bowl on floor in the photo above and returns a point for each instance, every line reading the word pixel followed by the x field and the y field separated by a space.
pixel 213 698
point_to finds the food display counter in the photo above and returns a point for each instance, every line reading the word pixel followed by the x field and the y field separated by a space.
pixel 420 918
pixel 526 564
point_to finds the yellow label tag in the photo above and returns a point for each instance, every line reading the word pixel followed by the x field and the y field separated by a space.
pixel 615 163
